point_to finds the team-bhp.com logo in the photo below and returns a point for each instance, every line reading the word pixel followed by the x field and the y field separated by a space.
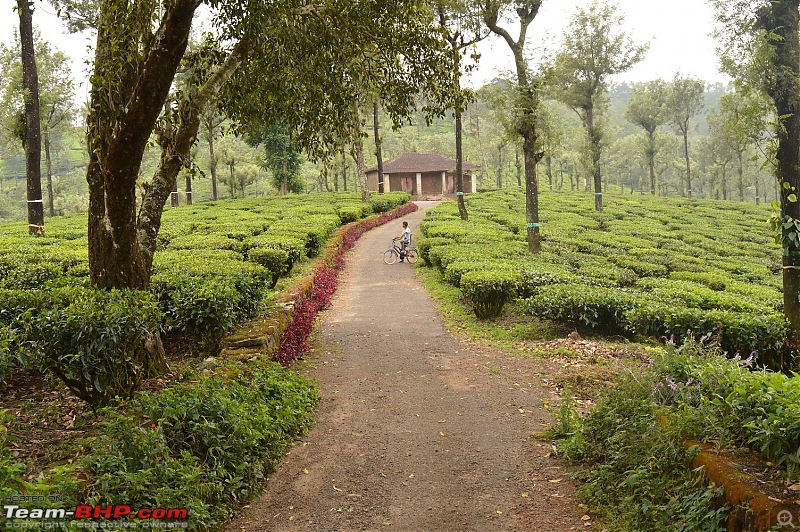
pixel 120 514
pixel 85 511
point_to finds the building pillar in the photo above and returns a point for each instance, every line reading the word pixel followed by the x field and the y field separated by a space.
pixel 387 187
pixel 419 184
pixel 474 182
pixel 444 182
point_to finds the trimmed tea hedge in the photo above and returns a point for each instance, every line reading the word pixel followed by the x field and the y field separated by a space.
pixel 214 265
pixel 644 266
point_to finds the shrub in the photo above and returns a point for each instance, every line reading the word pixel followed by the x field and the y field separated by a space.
pixel 203 294
pixel 596 307
pixel 275 260
pixel 236 423
pixel 94 343
pixel 205 241
pixel 738 332
pixel 424 246
pixel 489 290
pixel 292 245
pixel 351 213
pixel 388 201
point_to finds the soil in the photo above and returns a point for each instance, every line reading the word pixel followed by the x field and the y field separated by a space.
pixel 417 429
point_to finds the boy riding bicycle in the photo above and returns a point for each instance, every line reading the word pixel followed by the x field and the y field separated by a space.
pixel 405 240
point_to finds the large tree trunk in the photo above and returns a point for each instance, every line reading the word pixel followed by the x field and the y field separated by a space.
pixel 378 150
pixel 176 143
pixel 462 207
pixel 49 168
pixel 125 103
pixel 33 139
pixel 783 19
pixel 532 191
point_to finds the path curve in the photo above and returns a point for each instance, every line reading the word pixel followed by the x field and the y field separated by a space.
pixel 416 431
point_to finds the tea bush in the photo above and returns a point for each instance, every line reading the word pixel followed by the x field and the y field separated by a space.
pixel 663 266
pixel 489 289
pixel 214 264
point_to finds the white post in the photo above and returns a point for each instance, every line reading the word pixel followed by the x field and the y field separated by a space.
pixel 444 182
pixel 387 187
pixel 474 182
pixel 419 184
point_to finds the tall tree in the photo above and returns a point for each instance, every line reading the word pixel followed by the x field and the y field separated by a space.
pixel 462 27
pixel 686 100
pixel 280 158
pixel 594 48
pixel 33 135
pixel 527 101
pixel 212 121
pixel 55 98
pixel 647 109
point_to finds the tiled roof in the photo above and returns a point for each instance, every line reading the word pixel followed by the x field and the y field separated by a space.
pixel 421 162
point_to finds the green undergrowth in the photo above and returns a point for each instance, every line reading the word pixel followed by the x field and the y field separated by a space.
pixel 206 444
pixel 632 440
pixel 509 330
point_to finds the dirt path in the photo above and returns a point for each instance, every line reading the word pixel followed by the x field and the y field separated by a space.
pixel 416 430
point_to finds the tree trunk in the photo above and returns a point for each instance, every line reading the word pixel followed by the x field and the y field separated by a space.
pixel 33 139
pixel 594 150
pixel 49 167
pixel 358 145
pixel 651 160
pixel 174 194
pixel 123 113
pixel 378 151
pixel 532 191
pixel 784 20
pixel 740 169
pixel 549 161
pixel 688 164
pixel 499 167
pixel 189 188
pixel 462 207
pixel 518 164
pixel 212 163
pixel 344 170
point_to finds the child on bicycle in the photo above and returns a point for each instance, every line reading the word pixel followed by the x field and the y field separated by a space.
pixel 405 240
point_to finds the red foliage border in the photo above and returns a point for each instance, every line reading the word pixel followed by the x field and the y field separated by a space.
pixel 325 280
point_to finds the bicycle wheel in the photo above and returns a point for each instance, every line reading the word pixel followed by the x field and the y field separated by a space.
pixel 389 256
pixel 411 256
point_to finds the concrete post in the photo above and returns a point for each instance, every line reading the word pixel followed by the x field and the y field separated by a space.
pixel 419 184
pixel 474 182
pixel 444 182
pixel 387 187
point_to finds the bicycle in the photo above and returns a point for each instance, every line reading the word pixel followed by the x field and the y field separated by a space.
pixel 394 252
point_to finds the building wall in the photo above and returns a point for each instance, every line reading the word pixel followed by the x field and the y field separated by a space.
pixel 432 183
pixel 407 182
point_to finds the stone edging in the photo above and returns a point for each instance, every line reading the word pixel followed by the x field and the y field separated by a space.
pixel 753 510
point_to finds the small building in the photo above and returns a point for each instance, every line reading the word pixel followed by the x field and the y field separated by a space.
pixel 422 174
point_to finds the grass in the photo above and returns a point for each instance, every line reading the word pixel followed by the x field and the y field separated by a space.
pixel 511 330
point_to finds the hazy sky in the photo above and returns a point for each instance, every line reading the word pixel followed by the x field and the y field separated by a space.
pixel 676 29
pixel 678 32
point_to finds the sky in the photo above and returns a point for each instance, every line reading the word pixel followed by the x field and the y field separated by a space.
pixel 678 32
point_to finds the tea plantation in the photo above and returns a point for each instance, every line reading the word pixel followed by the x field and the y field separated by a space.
pixel 646 267
pixel 215 264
